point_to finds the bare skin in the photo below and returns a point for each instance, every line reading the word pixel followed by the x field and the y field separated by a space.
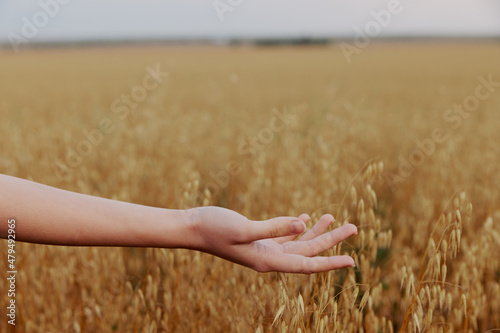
pixel 48 215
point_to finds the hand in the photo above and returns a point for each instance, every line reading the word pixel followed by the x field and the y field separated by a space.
pixel 269 245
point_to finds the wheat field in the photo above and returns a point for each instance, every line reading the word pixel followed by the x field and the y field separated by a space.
pixel 402 142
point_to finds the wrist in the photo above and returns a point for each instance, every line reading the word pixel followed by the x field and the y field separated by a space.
pixel 166 228
pixel 193 223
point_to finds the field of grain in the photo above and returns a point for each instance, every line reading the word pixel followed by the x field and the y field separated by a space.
pixel 403 142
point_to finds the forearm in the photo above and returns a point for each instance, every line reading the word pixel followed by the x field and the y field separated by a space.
pixel 48 215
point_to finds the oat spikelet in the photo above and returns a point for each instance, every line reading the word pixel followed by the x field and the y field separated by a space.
pixel 415 318
pixel 443 274
pixel 364 299
pixel 278 315
pixel 300 302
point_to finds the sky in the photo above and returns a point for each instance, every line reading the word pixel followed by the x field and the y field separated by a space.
pixel 73 20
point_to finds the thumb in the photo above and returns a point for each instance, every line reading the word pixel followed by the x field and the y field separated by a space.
pixel 276 227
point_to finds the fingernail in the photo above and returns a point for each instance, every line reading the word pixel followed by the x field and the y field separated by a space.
pixel 297 227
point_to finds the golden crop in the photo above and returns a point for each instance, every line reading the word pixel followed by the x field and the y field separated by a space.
pixel 378 142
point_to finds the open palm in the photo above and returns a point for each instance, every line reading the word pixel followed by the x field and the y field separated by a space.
pixel 270 245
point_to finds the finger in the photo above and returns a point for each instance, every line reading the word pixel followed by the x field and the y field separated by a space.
pixel 293 263
pixel 273 228
pixel 304 217
pixel 322 242
pixel 319 228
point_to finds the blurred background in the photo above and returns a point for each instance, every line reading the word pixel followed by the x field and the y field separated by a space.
pixel 382 113
pixel 224 20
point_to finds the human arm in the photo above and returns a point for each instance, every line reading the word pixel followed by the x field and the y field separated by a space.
pixel 49 215
pixel 53 216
